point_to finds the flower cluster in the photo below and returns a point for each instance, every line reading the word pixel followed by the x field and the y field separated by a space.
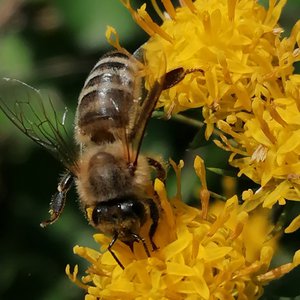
pixel 239 72
pixel 212 257
pixel 241 75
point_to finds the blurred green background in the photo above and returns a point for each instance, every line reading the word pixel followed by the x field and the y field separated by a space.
pixel 53 45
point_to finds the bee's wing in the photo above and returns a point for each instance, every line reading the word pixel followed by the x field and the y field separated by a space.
pixel 38 118
pixel 146 105
pixel 150 96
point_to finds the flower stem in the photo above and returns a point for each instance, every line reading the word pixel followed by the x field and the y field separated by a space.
pixel 186 120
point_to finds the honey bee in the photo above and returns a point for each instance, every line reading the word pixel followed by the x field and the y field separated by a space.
pixel 104 163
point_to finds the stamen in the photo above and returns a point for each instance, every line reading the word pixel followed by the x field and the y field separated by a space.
pixel 169 8
pixel 231 4
pixel 190 5
pixel 281 270
pixel 144 16
pixel 204 192
pixel 177 170
pixel 158 10
pixel 258 110
pixel 73 277
pixel 137 18
pixel 113 39
pixel 206 22
pixel 242 218
pixel 223 62
pixel 276 116
pixel 260 154
pixel 295 225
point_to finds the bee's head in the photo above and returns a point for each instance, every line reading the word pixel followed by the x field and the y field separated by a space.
pixel 123 216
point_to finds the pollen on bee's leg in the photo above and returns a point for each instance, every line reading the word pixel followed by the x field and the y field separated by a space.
pixel 53 217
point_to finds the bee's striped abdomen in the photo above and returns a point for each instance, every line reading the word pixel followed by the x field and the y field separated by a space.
pixel 106 98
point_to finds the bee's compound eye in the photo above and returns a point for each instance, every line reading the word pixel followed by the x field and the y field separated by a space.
pixel 133 207
pixel 97 214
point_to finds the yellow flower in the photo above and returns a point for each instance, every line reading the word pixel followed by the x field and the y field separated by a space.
pixel 240 73
pixel 216 257
pixel 235 43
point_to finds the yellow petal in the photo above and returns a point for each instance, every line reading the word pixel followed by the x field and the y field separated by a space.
pixel 295 225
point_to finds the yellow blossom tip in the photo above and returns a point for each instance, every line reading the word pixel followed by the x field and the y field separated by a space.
pixel 231 6
pixel 73 276
pixel 280 271
pixel 157 9
pixel 295 225
pixel 200 170
pixel 190 5
pixel 113 39
pixel 158 185
pixel 296 259
pixel 177 169
pixel 170 9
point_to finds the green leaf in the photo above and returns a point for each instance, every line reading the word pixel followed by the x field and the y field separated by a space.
pixel 199 140
pixel 88 21
pixel 15 57
pixel 223 172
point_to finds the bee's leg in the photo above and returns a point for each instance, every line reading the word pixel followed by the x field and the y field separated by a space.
pixel 176 75
pixel 154 214
pixel 114 239
pixel 130 245
pixel 58 200
pixel 160 170
pixel 172 78
pixel 137 238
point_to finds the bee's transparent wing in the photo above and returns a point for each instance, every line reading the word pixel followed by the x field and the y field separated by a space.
pixel 39 118
pixel 146 104
pixel 151 91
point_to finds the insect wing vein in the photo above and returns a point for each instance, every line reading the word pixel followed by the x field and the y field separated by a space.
pixel 38 119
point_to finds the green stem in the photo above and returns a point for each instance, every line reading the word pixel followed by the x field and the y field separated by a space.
pixel 180 118
pixel 185 120
pixel 217 196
